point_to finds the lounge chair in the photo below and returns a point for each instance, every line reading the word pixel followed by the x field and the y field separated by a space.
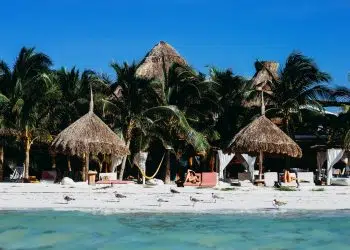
pixel 110 178
pixel 205 179
pixel 17 175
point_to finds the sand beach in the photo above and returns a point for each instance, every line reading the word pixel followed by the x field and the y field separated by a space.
pixel 139 198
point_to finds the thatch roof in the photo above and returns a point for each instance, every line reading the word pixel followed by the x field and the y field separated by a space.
pixel 266 71
pixel 89 134
pixel 162 54
pixel 263 135
pixel 6 132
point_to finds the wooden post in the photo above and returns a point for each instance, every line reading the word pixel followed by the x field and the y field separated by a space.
pixel 83 174
pixel 261 157
pixel 53 160
pixel 86 165
pixel 68 164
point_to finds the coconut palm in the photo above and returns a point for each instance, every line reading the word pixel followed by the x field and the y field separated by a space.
pixel 143 107
pixel 27 94
pixel 234 113
pixel 300 84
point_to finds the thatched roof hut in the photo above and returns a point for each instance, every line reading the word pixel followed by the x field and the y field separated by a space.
pixel 162 54
pixel 266 72
pixel 262 135
pixel 89 134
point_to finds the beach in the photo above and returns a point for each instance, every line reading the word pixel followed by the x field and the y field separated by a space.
pixel 139 198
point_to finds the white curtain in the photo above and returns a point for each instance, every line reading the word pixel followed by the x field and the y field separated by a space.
pixel 321 158
pixel 250 161
pixel 333 156
pixel 116 161
pixel 140 160
pixel 224 160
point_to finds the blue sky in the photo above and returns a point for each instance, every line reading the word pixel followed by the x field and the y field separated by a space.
pixel 227 34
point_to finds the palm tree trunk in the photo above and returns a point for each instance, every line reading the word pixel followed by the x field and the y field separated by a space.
pixel 27 158
pixel 121 174
pixel 167 169
pixel 27 145
pixel 1 162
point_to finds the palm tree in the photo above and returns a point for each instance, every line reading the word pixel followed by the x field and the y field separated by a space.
pixel 233 93
pixel 27 93
pixel 143 107
pixel 300 84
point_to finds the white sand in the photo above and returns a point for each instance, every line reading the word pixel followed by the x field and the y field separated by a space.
pixel 15 196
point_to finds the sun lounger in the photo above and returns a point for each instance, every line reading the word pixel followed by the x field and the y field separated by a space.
pixel 209 179
pixel 205 179
pixel 110 178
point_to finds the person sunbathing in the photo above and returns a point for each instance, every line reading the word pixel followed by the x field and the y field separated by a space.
pixel 191 177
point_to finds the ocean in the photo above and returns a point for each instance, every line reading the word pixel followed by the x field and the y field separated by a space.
pixel 260 230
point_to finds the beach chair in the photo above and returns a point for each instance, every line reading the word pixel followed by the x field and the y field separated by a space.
pixel 110 178
pixel 209 179
pixel 17 175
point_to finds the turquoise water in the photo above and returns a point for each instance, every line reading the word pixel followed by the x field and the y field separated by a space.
pixel 78 230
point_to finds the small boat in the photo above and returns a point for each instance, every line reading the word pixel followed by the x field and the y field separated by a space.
pixel 340 181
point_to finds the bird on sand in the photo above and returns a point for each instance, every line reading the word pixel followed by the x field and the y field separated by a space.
pixel 278 204
pixel 68 199
pixel 194 200
pixel 160 201
pixel 174 191
pixel 215 196
pixel 119 196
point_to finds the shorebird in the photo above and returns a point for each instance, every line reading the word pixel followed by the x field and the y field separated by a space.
pixel 174 191
pixel 214 196
pixel 194 200
pixel 278 204
pixel 68 199
pixel 160 200
pixel 119 196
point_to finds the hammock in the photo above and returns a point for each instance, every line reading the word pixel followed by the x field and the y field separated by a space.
pixel 151 177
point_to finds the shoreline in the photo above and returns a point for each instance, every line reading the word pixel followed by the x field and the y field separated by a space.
pixel 100 199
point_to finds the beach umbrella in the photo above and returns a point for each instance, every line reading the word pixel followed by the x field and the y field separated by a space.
pixel 160 58
pixel 263 136
pixel 89 135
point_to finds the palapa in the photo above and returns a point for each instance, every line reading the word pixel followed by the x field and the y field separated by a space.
pixel 89 135
pixel 266 73
pixel 263 136
pixel 161 57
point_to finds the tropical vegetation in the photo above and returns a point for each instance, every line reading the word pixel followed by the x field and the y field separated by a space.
pixel 184 109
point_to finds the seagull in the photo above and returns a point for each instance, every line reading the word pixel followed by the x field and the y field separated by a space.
pixel 194 200
pixel 160 200
pixel 174 191
pixel 278 204
pixel 214 196
pixel 119 196
pixel 68 199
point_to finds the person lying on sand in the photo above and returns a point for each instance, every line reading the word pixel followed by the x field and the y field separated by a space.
pixel 191 177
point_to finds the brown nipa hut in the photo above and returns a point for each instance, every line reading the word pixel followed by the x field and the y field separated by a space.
pixel 162 55
pixel 266 72
pixel 89 135
pixel 263 136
